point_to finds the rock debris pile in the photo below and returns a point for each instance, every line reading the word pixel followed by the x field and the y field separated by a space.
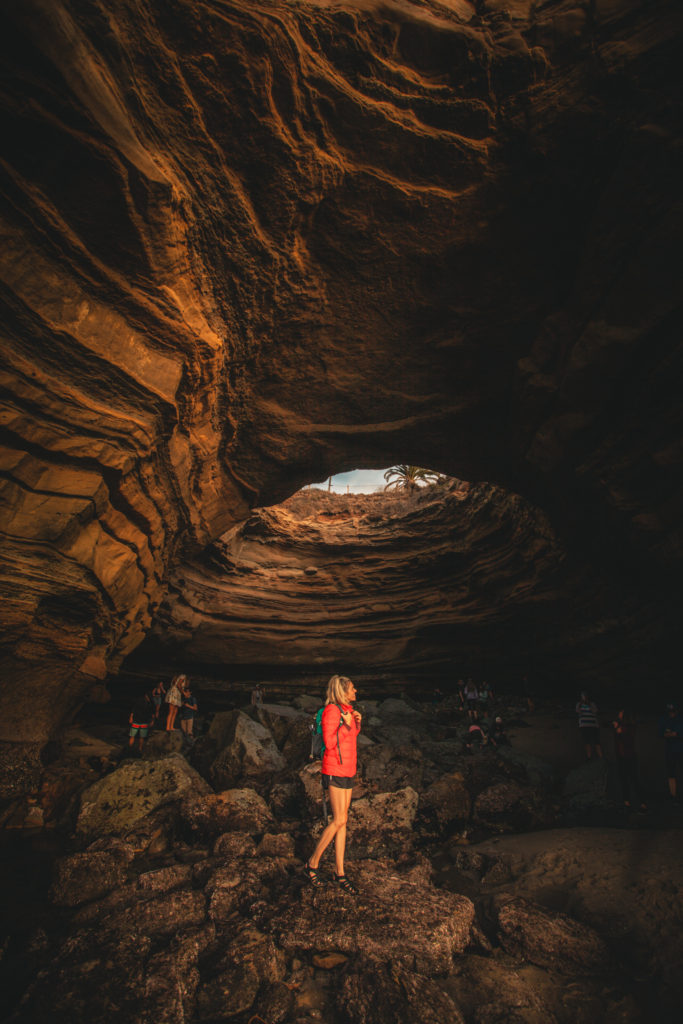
pixel 185 901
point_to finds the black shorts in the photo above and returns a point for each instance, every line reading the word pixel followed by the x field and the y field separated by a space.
pixel 338 781
pixel 590 735
pixel 674 763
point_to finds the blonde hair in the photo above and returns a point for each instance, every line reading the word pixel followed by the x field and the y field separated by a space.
pixel 336 690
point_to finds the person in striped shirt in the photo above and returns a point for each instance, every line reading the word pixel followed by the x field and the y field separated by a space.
pixel 589 725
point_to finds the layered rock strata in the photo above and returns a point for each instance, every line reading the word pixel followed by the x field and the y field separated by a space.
pixel 449 581
pixel 244 244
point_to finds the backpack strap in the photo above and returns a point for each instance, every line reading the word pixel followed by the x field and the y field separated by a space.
pixel 338 728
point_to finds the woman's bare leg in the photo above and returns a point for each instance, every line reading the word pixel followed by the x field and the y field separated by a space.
pixel 339 807
pixel 340 838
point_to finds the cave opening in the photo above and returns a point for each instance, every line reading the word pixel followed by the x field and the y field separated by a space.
pixel 247 244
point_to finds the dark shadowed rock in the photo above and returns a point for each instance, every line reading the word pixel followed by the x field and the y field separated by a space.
pixel 160 743
pixel 448 798
pixel 508 804
pixel 238 810
pixel 382 820
pixel 393 994
pixel 87 876
pixel 233 845
pixel 393 920
pixel 241 810
pixel 250 961
pixel 550 940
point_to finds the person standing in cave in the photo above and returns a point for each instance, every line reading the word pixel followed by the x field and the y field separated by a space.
pixel 589 725
pixel 671 730
pixel 624 728
pixel 188 710
pixel 140 720
pixel 157 698
pixel 341 725
pixel 471 698
pixel 174 699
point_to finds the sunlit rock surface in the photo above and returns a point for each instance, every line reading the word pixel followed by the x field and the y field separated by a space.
pixel 247 244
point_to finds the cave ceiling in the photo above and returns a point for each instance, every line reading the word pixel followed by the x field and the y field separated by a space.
pixel 248 244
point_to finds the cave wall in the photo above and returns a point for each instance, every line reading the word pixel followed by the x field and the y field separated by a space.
pixel 245 244
pixel 445 582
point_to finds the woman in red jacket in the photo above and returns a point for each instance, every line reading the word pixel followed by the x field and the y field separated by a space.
pixel 341 725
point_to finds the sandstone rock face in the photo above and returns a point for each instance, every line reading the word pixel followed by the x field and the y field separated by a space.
pixel 441 583
pixel 119 801
pixel 248 245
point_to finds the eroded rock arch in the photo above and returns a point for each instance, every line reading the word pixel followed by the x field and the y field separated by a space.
pixel 247 244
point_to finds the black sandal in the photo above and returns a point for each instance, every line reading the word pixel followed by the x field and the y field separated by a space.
pixel 346 884
pixel 312 876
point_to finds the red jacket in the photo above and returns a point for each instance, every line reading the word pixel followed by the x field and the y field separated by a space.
pixel 340 742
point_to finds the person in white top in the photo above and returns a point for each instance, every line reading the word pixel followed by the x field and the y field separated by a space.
pixel 174 699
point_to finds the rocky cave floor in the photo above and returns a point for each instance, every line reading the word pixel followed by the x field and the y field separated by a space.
pixel 495 886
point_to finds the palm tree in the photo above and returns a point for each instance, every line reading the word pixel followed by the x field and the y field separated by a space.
pixel 409 477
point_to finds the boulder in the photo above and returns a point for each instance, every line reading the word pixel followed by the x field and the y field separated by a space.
pixel 89 875
pixel 492 992
pixel 507 804
pixel 549 939
pixel 249 750
pixel 396 918
pixel 161 743
pixel 234 810
pixel 448 798
pixel 119 801
pixel 251 959
pixel 383 819
pixel 399 996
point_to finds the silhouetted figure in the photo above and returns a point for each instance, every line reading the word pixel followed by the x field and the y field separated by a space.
pixel 471 697
pixel 496 734
pixel 158 698
pixel 140 720
pixel 485 697
pixel 671 729
pixel 626 758
pixel 257 696
pixel 188 710
pixel 589 725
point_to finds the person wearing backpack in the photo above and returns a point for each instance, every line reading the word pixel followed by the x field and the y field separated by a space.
pixel 340 725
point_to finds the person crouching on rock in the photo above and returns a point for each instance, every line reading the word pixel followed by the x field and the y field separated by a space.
pixel 341 725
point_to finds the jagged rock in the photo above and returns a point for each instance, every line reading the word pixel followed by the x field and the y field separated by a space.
pixel 250 959
pixel 507 803
pixel 448 798
pixel 20 768
pixel 390 766
pixel 397 995
pixel 280 845
pixel 238 810
pixel 172 979
pixel 540 774
pixel 491 992
pixel 233 845
pixel 160 743
pixel 86 876
pixel 382 819
pixel 550 940
pixel 248 750
pixel 131 793
pixel 391 920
